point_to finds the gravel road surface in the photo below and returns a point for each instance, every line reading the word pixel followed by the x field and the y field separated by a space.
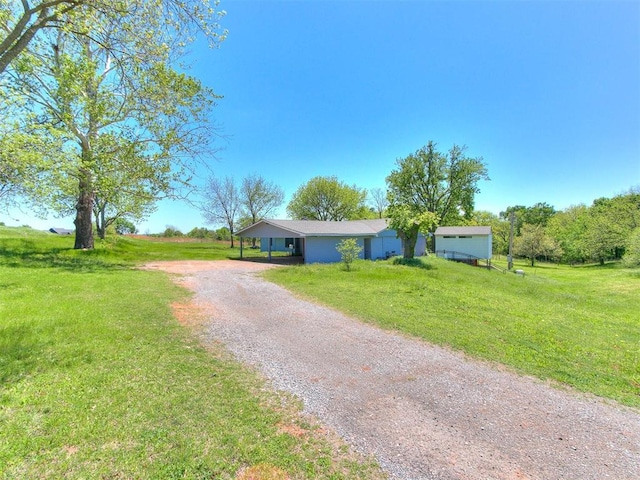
pixel 423 411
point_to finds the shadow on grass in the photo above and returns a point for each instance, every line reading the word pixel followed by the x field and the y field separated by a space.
pixel 598 266
pixel 27 255
pixel 413 262
pixel 20 353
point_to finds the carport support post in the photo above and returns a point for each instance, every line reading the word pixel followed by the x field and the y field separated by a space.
pixel 270 242
pixel 240 248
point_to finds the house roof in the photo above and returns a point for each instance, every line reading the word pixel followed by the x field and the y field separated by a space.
pixel 319 228
pixel 61 231
pixel 463 231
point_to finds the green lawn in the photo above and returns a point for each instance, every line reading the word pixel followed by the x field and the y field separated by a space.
pixel 576 325
pixel 27 246
pixel 98 379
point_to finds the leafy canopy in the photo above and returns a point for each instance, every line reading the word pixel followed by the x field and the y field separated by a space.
pixel 349 251
pixel 327 198
pixel 429 188
pixel 172 23
pixel 113 125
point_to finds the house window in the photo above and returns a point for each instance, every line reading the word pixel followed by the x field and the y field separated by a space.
pixel 465 236
pixel 449 236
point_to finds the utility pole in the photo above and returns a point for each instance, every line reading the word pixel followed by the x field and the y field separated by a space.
pixel 512 221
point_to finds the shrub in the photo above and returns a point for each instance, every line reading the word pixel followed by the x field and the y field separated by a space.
pixel 124 226
pixel 349 251
pixel 200 233
pixel 172 231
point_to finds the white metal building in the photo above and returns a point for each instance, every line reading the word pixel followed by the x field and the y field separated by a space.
pixel 464 243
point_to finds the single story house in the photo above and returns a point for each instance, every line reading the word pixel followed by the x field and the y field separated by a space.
pixel 61 231
pixel 316 240
pixel 465 244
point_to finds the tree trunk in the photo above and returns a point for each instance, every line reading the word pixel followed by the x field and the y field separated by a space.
pixel 409 239
pixel 100 224
pixel 84 212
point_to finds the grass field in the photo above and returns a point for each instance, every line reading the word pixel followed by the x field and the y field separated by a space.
pixel 579 326
pixel 99 380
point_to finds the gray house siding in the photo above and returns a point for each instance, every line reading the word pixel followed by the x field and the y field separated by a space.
pixel 323 249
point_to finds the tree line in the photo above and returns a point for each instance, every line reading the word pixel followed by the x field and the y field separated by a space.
pixel 608 229
pixel 98 120
pixel 429 188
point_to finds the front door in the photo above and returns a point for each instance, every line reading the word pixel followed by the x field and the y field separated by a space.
pixel 367 249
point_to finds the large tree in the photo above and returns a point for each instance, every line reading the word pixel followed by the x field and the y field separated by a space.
pixel 568 229
pixel 427 181
pixel 221 203
pixel 24 21
pixel 609 224
pixel 534 242
pixel 124 194
pixel 259 198
pixel 379 201
pixel 113 128
pixel 538 214
pixel 327 198
pixel 409 221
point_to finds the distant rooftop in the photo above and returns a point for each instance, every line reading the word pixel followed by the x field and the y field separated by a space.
pixel 61 231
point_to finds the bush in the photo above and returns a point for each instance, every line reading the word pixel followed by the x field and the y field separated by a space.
pixel 124 226
pixel 200 233
pixel 223 233
pixel 171 231
pixel 349 250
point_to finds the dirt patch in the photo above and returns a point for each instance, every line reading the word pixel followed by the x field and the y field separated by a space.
pixel 185 267
pixel 191 314
pixel 262 471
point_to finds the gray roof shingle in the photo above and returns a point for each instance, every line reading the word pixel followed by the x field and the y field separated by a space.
pixel 318 228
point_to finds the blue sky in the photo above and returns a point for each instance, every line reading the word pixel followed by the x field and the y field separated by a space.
pixel 547 92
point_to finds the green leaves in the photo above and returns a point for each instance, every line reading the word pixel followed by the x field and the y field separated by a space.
pixel 349 251
pixel 631 257
pixel 429 187
pixel 326 198
pixel 103 86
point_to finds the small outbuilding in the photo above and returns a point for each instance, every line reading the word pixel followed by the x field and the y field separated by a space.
pixel 316 241
pixel 61 231
pixel 464 244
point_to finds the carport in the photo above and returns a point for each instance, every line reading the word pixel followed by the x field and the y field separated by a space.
pixel 273 229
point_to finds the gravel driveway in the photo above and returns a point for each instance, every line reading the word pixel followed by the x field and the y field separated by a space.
pixel 423 411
